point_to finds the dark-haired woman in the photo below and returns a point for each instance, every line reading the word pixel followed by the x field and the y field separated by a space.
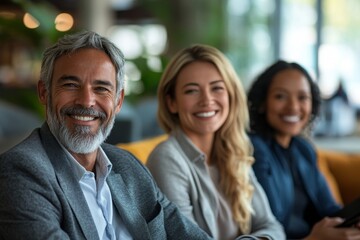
pixel 283 101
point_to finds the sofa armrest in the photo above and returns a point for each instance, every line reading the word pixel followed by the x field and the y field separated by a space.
pixel 341 170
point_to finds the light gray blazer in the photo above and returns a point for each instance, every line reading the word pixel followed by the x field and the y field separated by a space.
pixel 179 169
pixel 41 199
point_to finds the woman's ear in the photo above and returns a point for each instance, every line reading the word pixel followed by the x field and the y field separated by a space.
pixel 171 104
pixel 262 108
pixel 42 92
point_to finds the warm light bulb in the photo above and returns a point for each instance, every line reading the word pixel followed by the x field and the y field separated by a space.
pixel 64 22
pixel 30 21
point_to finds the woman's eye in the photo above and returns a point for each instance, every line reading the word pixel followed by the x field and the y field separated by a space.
pixel 304 97
pixel 279 96
pixel 190 91
pixel 218 88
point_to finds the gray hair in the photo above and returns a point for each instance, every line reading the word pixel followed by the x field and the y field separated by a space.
pixel 73 42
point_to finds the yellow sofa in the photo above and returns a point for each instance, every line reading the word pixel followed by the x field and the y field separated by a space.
pixel 341 170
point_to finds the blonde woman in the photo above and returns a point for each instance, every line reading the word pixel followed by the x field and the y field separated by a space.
pixel 205 164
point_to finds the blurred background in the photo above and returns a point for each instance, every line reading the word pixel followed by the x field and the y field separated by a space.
pixel 321 35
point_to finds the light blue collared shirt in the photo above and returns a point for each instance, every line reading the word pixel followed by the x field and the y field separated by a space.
pixel 108 222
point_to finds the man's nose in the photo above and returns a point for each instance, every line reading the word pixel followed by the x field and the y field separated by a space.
pixel 86 97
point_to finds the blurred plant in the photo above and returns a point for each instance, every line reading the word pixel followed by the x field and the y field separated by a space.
pixel 147 86
pixel 188 21
pixel 13 28
pixel 25 98
pixel 13 33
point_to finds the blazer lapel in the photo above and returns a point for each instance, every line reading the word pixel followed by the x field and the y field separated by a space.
pixel 68 183
pixel 128 211
pixel 204 183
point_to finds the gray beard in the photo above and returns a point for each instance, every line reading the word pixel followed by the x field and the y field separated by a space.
pixel 82 140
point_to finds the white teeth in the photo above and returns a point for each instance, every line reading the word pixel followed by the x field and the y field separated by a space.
pixel 84 118
pixel 291 118
pixel 206 114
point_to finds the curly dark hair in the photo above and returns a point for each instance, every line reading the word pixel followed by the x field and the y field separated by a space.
pixel 258 92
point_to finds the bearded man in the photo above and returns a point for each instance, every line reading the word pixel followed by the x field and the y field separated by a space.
pixel 63 181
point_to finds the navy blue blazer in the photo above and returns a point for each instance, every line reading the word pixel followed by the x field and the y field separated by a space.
pixel 41 199
pixel 274 174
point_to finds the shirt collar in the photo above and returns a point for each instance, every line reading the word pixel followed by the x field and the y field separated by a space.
pixel 103 165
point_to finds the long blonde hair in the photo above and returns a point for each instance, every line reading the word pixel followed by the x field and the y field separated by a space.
pixel 232 151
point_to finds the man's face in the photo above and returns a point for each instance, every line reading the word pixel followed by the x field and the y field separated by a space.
pixel 82 105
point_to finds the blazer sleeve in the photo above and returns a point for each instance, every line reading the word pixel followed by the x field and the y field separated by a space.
pixel 315 183
pixel 176 224
pixel 270 181
pixel 168 169
pixel 28 201
pixel 264 222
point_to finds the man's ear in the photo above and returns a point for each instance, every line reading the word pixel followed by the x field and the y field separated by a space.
pixel 42 92
pixel 120 101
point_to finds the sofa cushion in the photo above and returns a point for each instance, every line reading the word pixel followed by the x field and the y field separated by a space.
pixel 345 168
pixel 142 149
pixel 341 170
pixel 323 164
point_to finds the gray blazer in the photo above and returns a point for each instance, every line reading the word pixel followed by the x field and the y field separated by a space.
pixel 179 169
pixel 40 198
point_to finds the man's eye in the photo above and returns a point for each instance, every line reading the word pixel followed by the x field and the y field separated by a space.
pixel 70 85
pixel 102 89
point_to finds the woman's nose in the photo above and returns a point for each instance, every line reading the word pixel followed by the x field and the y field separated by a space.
pixel 205 98
pixel 293 103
